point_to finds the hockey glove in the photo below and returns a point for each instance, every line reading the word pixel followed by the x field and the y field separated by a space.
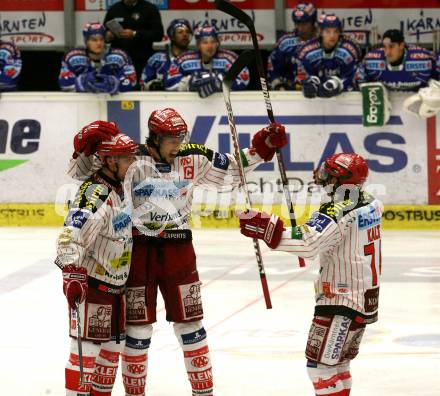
pixel 106 84
pixel 87 139
pixel 153 85
pixel 85 82
pixel 263 226
pixel 205 84
pixel 330 88
pixel 268 139
pixel 74 284
pixel 310 87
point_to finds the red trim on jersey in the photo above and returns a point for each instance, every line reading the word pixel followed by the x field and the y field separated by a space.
pixel 31 5
pixel 433 162
pixel 369 4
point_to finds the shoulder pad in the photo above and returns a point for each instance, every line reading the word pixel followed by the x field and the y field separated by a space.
pixel 8 46
pixel 75 52
pixel 308 46
pixel 351 47
pixel 416 53
pixel 90 196
pixel 375 54
pixel 189 55
pixel 195 149
pixel 289 42
pixel 118 51
pixel 337 210
pixel 229 55
pixel 158 57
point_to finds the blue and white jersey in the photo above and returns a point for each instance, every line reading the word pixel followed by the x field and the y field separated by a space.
pixel 190 63
pixel 10 66
pixel 115 62
pixel 341 62
pixel 417 68
pixel 282 64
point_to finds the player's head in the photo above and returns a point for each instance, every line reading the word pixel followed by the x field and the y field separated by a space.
pixel 167 131
pixel 117 154
pixel 330 30
pixel 342 169
pixel 179 32
pixel 94 37
pixel 304 18
pixel 393 45
pixel 207 41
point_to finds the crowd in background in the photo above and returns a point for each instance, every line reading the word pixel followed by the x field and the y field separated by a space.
pixel 316 58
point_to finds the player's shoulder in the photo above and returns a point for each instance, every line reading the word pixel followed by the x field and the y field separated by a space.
pixel 415 53
pixel 288 41
pixel 349 45
pixel 75 53
pixel 340 208
pixel 375 54
pixel 9 46
pixel 118 55
pixel 309 46
pixel 91 195
pixel 158 57
pixel 231 56
pixel 187 56
pixel 195 149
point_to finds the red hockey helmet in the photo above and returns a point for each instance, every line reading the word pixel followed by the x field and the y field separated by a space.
pixel 167 122
pixel 119 144
pixel 347 168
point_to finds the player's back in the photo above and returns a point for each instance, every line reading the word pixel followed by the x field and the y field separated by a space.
pixel 350 270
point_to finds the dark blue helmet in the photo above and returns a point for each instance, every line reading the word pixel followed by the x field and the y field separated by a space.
pixel 304 12
pixel 329 21
pixel 93 29
pixel 207 31
pixel 175 23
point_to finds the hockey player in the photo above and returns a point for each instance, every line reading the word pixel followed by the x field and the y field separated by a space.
pixel 346 234
pixel 328 62
pixel 398 66
pixel 282 66
pixel 94 251
pixel 202 70
pixel 179 32
pixel 95 69
pixel 10 66
pixel 163 253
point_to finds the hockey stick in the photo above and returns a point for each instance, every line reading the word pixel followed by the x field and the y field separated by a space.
pixel 241 62
pixel 237 13
pixel 78 329
pixel 79 341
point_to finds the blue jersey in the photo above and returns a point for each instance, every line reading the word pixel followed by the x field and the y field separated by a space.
pixel 10 66
pixel 190 63
pixel 115 62
pixel 417 67
pixel 156 68
pixel 341 62
pixel 282 66
pixel 438 66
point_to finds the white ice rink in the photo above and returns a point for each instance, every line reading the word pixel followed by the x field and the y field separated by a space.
pixel 255 351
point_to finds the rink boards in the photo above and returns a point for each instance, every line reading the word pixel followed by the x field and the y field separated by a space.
pixel 36 131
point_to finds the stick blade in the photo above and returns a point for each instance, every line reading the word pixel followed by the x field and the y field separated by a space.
pixel 234 11
pixel 243 60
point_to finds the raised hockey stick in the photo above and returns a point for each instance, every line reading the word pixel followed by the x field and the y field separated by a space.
pixel 240 63
pixel 79 341
pixel 239 14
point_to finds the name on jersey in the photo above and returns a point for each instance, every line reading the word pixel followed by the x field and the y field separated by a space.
pixel 373 233
pixel 369 216
pixel 319 221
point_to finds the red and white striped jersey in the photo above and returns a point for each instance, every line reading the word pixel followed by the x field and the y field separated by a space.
pixel 162 193
pixel 347 237
pixel 97 233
